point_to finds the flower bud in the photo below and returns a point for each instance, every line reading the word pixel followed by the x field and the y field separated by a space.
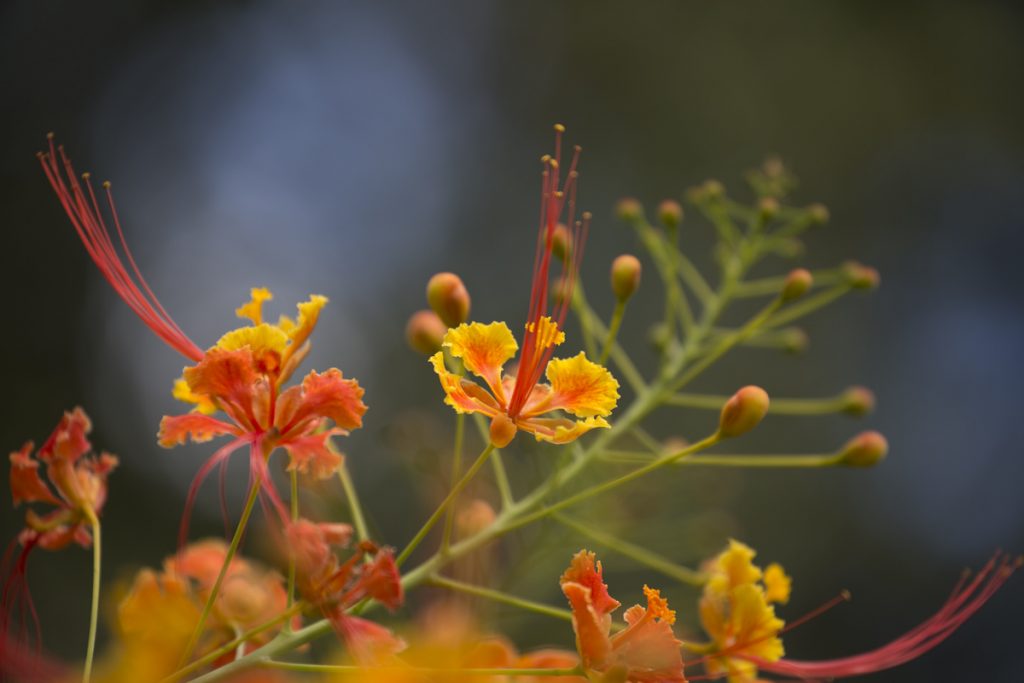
pixel 476 516
pixel 670 213
pixel 768 208
pixel 743 411
pixel 860 276
pixel 797 283
pixel 790 248
pixel 448 297
pixel 864 450
pixel 424 332
pixel 503 430
pixel 561 243
pixel 707 191
pixel 629 209
pixel 858 401
pixel 795 340
pixel 818 213
pixel 626 271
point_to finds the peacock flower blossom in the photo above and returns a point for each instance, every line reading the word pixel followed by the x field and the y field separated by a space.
pixel 77 492
pixel 645 651
pixel 242 375
pixel 334 587
pixel 736 612
pixel 518 401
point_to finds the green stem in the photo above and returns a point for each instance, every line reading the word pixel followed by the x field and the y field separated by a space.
pixel 613 331
pixel 589 319
pixel 232 549
pixel 499 596
pixel 500 475
pixel 354 668
pixel 354 508
pixel 756 461
pixel 456 489
pixel 771 286
pixel 449 519
pixel 94 610
pixel 808 305
pixel 635 552
pixel 781 406
pixel 294 503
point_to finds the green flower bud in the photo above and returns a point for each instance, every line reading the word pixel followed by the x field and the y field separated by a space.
pixel 743 411
pixel 626 271
pixel 864 450
pixel 797 283
pixel 448 297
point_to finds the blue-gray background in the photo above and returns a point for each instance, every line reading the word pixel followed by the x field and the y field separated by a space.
pixel 355 149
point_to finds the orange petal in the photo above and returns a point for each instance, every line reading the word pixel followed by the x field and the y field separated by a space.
pixel 176 430
pixel 68 441
pixel 583 585
pixel 309 314
pixel 560 430
pixel 224 374
pixel 322 395
pixel 585 570
pixel 484 349
pixel 461 394
pixel 581 387
pixel 26 485
pixel 382 582
pixel 309 454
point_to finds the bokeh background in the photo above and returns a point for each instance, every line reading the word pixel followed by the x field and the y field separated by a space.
pixel 353 149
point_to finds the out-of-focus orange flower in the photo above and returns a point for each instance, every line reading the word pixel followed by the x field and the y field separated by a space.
pixel 76 492
pixel 646 650
pixel 334 586
pixel 517 401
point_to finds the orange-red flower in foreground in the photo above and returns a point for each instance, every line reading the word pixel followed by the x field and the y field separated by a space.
pixel 517 401
pixel 645 651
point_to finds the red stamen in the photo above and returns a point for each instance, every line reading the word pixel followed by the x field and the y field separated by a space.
pixel 193 488
pixel 966 599
pixel 87 219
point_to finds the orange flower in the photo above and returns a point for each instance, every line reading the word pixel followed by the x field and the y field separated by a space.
pixel 242 375
pixel 77 492
pixel 646 650
pixel 335 586
pixel 517 401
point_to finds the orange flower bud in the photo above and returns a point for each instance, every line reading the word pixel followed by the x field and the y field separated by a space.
pixel 864 450
pixel 818 213
pixel 629 209
pixel 797 283
pixel 743 411
pixel 860 276
pixel 424 332
pixel 670 213
pixel 561 243
pixel 503 430
pixel 448 297
pixel 474 518
pixel 858 401
pixel 768 207
pixel 626 271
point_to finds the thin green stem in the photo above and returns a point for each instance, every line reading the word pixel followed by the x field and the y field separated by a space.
pixel 97 555
pixel 780 406
pixel 456 489
pixel 449 519
pixel 771 286
pixel 635 552
pixel 613 331
pixel 354 507
pixel 588 318
pixel 294 504
pixel 232 549
pixel 772 460
pixel 499 596
pixel 808 305
pixel 354 668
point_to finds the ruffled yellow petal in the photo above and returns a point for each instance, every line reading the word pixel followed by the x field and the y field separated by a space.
pixel 260 339
pixel 733 567
pixel 183 392
pixel 777 584
pixel 560 430
pixel 547 331
pixel 461 394
pixel 309 314
pixel 484 349
pixel 754 626
pixel 580 387
pixel 253 309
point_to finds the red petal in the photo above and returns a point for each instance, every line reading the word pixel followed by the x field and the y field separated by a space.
pixel 311 455
pixel 26 485
pixel 324 395
pixel 226 375
pixel 174 431
pixel 382 581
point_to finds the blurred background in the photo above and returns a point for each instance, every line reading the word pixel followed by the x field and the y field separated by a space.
pixel 354 149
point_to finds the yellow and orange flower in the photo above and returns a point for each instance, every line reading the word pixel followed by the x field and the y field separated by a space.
pixel 736 611
pixel 516 401
pixel 646 650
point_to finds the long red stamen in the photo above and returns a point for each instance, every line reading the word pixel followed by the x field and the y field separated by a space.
pixel 966 599
pixel 555 198
pixel 193 490
pixel 84 211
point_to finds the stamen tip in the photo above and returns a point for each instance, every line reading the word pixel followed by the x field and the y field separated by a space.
pixel 846 595
pixel 106 184
pixel 559 128
pixel 50 136
pixel 86 175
